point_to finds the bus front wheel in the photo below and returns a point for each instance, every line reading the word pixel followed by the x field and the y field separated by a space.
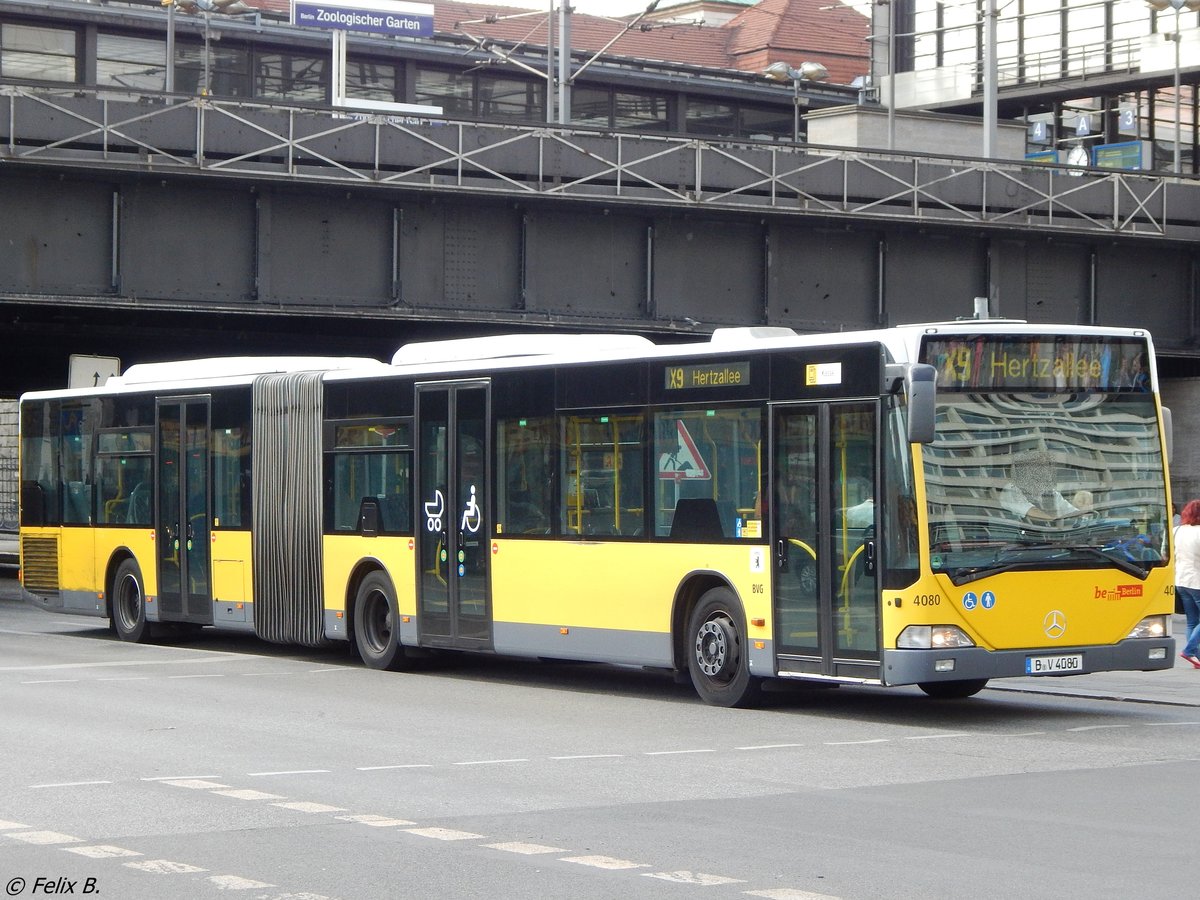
pixel 375 624
pixel 129 604
pixel 716 651
pixel 953 690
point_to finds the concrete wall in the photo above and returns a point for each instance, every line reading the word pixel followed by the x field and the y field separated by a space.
pixel 948 135
pixel 1182 397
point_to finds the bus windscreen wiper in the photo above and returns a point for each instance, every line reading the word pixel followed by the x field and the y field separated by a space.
pixel 995 565
pixel 967 574
pixel 1123 563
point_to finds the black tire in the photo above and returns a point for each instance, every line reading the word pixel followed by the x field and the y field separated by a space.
pixel 376 624
pixel 128 604
pixel 717 653
pixel 953 690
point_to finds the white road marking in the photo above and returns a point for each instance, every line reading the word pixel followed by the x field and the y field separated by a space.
pixel 696 878
pixel 101 851
pixel 675 752
pixel 236 883
pixel 1096 727
pixel 303 806
pixel 195 784
pixel 488 762
pixel 604 862
pixel 769 747
pixel 444 834
pixel 400 766
pixel 250 795
pixel 849 743
pixel 292 772
pixel 592 756
pixel 375 821
pixel 163 867
pixel 525 849
pixel 68 784
pixel 5 826
pixel 937 737
pixel 207 675
pixel 789 894
pixel 43 837
pixel 208 657
pixel 1173 723
pixel 174 778
pixel 54 681
pixel 126 678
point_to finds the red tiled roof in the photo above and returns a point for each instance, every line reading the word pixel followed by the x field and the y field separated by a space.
pixel 793 31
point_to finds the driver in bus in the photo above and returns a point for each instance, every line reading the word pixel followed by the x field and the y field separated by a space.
pixel 1031 493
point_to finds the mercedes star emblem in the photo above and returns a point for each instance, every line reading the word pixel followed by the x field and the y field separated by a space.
pixel 1055 624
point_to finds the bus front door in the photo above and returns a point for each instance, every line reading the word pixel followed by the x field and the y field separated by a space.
pixel 453 526
pixel 182 514
pixel 823 521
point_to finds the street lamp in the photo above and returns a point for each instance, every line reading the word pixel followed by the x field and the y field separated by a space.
pixel 1179 6
pixel 808 71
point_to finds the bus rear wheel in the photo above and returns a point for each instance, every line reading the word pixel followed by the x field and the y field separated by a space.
pixel 376 631
pixel 716 651
pixel 129 604
pixel 953 690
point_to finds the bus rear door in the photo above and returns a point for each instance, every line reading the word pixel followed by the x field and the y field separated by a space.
pixel 824 482
pixel 453 515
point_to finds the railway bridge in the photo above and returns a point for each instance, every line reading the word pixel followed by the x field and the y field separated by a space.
pixel 151 226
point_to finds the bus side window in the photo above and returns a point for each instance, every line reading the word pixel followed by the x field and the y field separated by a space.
pixel 525 448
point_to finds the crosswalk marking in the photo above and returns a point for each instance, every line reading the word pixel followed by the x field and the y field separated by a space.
pixel 44 837
pixel 101 851
pixel 604 862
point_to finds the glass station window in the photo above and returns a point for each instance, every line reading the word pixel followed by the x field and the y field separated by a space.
pixel 511 98
pixel 711 118
pixel 369 79
pixel 137 63
pixel 36 53
pixel 591 106
pixel 452 91
pixel 641 112
pixel 290 76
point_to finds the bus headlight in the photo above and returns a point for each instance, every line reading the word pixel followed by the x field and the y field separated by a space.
pixel 1152 627
pixel 933 637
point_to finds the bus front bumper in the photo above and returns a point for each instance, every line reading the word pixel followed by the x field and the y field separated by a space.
pixel 969 663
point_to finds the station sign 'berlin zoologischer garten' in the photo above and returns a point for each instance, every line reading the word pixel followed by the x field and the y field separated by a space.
pixel 394 17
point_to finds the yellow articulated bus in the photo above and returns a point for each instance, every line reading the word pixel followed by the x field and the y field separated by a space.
pixel 936 505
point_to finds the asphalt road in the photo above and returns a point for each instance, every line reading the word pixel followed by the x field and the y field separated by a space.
pixel 229 765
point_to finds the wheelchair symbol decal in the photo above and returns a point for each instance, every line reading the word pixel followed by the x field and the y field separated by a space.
pixel 433 512
pixel 472 516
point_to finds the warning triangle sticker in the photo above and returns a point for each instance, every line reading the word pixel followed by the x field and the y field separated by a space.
pixel 685 461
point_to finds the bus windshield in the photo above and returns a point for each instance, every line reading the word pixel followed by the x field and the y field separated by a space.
pixel 1023 481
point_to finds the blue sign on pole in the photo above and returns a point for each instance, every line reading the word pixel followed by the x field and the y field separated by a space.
pixel 394 17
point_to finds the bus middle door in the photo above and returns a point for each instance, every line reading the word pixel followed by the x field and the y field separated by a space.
pixel 453 518
pixel 823 526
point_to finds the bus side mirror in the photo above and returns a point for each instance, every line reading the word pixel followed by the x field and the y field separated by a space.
pixel 920 384
pixel 1168 433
